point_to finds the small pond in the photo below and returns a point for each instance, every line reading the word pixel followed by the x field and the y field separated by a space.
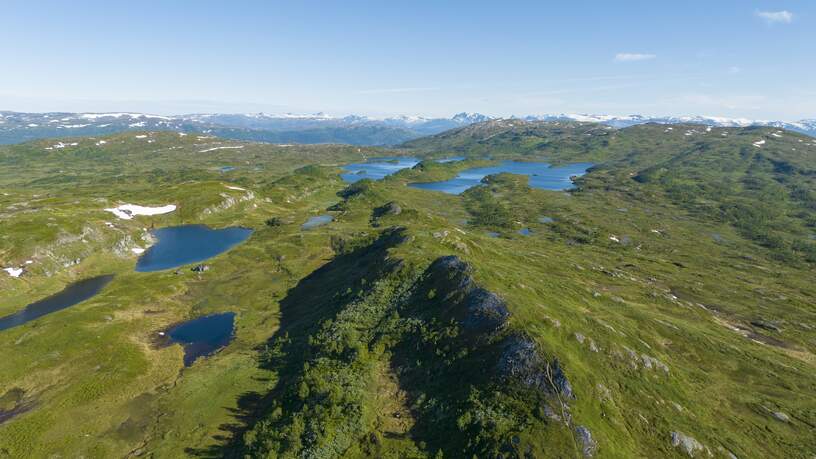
pixel 181 245
pixel 376 168
pixel 314 222
pixel 542 176
pixel 524 231
pixel 71 295
pixel 203 336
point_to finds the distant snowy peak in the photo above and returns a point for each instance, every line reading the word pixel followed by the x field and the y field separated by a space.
pixel 806 126
pixel 319 127
pixel 470 118
pixel 97 116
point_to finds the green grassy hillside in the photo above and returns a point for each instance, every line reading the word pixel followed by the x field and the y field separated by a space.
pixel 664 308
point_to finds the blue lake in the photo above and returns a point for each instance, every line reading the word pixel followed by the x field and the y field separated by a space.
pixel 71 295
pixel 181 245
pixel 376 168
pixel 203 336
pixel 541 175
pixel 314 222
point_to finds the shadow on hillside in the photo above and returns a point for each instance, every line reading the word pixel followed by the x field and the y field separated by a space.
pixel 454 353
pixel 317 297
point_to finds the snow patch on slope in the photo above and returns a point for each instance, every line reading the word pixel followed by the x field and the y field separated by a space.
pixel 128 211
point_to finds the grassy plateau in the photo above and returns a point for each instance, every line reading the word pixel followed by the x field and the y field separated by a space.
pixel 665 306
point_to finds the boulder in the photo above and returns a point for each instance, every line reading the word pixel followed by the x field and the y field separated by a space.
pixel 781 416
pixel 688 444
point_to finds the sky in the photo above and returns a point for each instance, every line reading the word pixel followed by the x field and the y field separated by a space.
pixel 733 58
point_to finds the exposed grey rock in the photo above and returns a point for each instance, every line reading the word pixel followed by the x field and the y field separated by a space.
pixel 485 311
pixel 522 362
pixel 391 208
pixel 651 362
pixel 454 273
pixel 688 444
pixel 451 279
pixel 588 445
pixel 677 406
pixel 200 268
pixel 765 325
pixel 781 416
pixel 605 393
pixel 580 337
pixel 551 414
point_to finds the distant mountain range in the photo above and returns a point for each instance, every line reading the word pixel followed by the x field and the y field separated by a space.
pixel 16 127
pixel 807 126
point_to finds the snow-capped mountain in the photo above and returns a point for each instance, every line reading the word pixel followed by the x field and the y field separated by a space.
pixel 807 126
pixel 18 127
pixel 312 128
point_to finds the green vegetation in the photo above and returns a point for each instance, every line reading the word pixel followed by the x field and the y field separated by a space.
pixel 669 294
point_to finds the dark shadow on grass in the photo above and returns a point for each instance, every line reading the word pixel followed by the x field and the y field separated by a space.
pixel 317 297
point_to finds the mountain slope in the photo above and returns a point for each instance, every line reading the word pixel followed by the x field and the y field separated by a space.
pixel 304 129
pixel 661 308
pixel 311 129
pixel 806 126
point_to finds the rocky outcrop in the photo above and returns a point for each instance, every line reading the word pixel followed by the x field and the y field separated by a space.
pixel 521 361
pixel 453 272
pixel 689 444
pixel 483 316
pixel 391 208
pixel 588 445
pixel 486 312
pixel 478 310
pixel 228 201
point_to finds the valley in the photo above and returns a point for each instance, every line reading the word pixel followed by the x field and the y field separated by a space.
pixel 553 289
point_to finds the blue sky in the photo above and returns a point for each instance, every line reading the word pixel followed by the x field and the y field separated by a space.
pixel 723 58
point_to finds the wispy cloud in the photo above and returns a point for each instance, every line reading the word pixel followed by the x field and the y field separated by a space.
pixel 395 90
pixel 775 17
pixel 733 70
pixel 633 57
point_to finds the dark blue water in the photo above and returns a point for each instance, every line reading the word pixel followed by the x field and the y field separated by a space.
pixel 376 168
pixel 227 168
pixel 314 222
pixel 181 245
pixel 203 336
pixel 524 231
pixel 73 294
pixel 541 175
